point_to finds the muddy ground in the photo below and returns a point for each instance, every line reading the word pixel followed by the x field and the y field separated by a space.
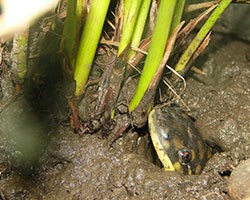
pixel 91 166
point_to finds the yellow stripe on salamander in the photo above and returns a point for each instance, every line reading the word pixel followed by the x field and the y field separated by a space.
pixel 165 160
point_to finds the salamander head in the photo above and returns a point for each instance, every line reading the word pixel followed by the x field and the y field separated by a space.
pixel 178 144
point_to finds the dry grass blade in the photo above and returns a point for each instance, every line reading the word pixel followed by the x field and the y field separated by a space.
pixel 143 48
pixel 198 6
pixel 198 71
pixel 200 50
pixel 171 87
pixel 191 25
pixel 164 60
pixel 146 103
pixel 141 51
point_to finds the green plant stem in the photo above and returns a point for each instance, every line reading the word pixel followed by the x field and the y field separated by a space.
pixel 19 55
pixel 156 49
pixel 88 44
pixel 177 14
pixel 186 56
pixel 139 27
pixel 71 29
pixel 130 16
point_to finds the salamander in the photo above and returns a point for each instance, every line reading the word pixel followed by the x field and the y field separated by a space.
pixel 178 144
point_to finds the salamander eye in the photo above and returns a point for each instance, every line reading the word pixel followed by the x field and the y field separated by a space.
pixel 185 156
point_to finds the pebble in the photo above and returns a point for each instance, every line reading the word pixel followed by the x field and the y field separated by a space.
pixel 239 182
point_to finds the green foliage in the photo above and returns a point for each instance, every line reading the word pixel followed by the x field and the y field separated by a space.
pixel 131 10
pixel 88 43
pixel 134 18
pixel 156 49
pixel 201 35
pixel 72 28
